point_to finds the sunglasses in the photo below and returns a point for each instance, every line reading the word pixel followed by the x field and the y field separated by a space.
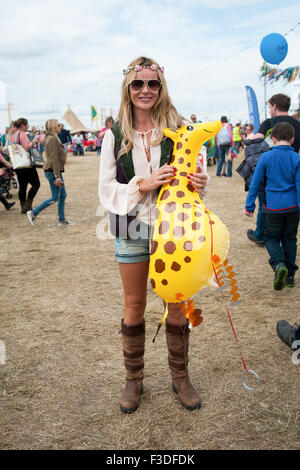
pixel 153 85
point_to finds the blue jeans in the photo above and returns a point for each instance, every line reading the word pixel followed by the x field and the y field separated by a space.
pixel 223 151
pixel 58 195
pixel 280 237
pixel 79 149
pixel 259 231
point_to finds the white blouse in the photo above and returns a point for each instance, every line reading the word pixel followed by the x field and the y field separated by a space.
pixel 122 198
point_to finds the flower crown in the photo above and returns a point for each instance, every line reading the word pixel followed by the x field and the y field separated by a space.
pixel 138 68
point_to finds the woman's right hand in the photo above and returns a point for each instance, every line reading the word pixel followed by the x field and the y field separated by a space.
pixel 157 178
pixel 58 182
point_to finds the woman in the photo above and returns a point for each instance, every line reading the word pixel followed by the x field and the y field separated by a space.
pixel 224 141
pixel 55 159
pixel 109 122
pixel 25 175
pixel 136 141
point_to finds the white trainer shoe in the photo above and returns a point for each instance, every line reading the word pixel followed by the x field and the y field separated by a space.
pixel 31 218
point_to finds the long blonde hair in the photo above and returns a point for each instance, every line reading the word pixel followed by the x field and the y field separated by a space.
pixel 51 126
pixel 164 114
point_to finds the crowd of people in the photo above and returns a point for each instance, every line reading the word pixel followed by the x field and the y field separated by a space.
pixel 133 168
pixel 54 150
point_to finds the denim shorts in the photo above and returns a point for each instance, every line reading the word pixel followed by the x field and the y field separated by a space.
pixel 132 251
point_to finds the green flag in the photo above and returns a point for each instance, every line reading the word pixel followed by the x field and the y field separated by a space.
pixel 94 113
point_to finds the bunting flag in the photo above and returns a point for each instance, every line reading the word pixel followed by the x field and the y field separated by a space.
pixel 273 74
pixel 94 113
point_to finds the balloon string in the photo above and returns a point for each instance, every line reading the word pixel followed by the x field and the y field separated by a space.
pixel 227 310
pixel 161 323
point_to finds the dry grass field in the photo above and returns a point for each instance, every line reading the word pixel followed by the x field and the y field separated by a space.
pixel 60 312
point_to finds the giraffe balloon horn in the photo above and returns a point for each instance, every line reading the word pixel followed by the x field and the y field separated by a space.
pixel 189 242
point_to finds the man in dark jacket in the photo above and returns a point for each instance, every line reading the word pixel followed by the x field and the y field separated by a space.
pixel 254 147
pixel 65 138
pixel 279 106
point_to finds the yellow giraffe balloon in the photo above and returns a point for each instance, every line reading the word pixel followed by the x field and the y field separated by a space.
pixel 188 239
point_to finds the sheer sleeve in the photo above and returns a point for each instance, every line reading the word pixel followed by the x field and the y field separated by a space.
pixel 115 197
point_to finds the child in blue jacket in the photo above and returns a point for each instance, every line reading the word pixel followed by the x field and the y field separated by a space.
pixel 280 170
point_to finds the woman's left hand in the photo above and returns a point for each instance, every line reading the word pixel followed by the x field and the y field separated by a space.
pixel 198 179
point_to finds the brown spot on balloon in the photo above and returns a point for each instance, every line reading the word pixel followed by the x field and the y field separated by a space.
pixel 152 283
pixel 178 145
pixel 198 214
pixel 174 182
pixel 188 246
pixel 181 135
pixel 189 164
pixel 179 232
pixel 196 226
pixel 170 247
pixel 187 205
pixel 164 282
pixel 182 216
pixel 180 194
pixel 183 173
pixel 175 266
pixel 190 188
pixel 181 160
pixel 172 159
pixel 164 227
pixel 165 195
pixel 170 207
pixel 187 259
pixel 202 239
pixel 188 151
pixel 197 202
pixel 154 246
pixel 186 140
pixel 159 266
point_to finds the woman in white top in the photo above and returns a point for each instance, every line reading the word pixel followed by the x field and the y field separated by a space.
pixel 131 172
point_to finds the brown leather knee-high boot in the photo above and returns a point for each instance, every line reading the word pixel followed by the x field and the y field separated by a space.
pixel 178 346
pixel 133 338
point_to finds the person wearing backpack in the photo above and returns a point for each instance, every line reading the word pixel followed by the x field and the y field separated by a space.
pixel 224 141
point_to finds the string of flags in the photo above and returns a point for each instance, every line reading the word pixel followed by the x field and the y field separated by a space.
pixel 272 74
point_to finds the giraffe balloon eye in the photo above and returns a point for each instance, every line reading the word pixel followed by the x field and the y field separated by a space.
pixel 190 128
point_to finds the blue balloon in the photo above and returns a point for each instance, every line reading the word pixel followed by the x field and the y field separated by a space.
pixel 274 48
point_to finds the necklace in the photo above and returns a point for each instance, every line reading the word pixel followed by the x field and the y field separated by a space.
pixel 146 145
pixel 144 132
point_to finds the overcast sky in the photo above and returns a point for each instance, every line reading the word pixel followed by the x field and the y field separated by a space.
pixel 69 52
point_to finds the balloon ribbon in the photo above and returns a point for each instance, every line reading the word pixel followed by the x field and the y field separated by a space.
pixel 161 323
pixel 227 310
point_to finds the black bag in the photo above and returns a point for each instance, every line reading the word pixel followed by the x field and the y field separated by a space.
pixel 36 157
